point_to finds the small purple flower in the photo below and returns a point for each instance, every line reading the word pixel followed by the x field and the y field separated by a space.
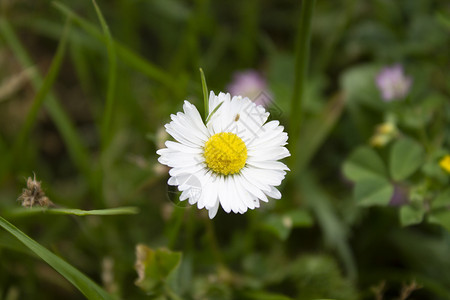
pixel 399 197
pixel 393 83
pixel 250 84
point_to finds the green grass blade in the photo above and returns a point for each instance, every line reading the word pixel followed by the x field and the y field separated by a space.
pixel 142 65
pixel 81 65
pixel 110 99
pixel 128 56
pixel 443 19
pixel 316 130
pixel 75 146
pixel 301 65
pixel 42 93
pixel 205 93
pixel 22 211
pixel 213 112
pixel 89 288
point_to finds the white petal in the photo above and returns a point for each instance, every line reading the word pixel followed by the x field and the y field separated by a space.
pixel 224 196
pixel 193 114
pixel 192 200
pixel 184 131
pixel 243 194
pixel 213 211
pixel 274 193
pixel 269 177
pixel 174 146
pixel 257 203
pixel 272 165
pixel 210 190
pixel 213 101
pixel 184 195
pixel 238 204
pixel 186 170
pixel 253 178
pixel 269 135
pixel 180 136
pixel 172 181
pixel 252 189
pixel 272 153
pixel 180 160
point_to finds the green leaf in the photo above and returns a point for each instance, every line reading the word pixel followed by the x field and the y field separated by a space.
pixel 20 212
pixel 405 158
pixel 418 116
pixel 205 93
pixel 440 218
pixel 300 218
pixel 281 225
pixel 358 84
pixel 278 225
pixel 154 266
pixel 442 201
pixel 334 229
pixel 112 72
pixel 373 191
pixel 89 288
pixel 433 170
pixel 364 163
pixel 410 215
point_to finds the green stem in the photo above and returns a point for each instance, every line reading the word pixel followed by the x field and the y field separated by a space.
pixel 249 14
pixel 112 63
pixel 171 294
pixel 211 235
pixel 41 95
pixel 336 37
pixel 176 223
pixel 25 212
pixel 301 65
pixel 205 93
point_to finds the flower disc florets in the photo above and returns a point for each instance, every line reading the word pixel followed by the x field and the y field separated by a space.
pixel 225 153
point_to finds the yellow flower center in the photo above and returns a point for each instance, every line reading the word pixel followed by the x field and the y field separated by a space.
pixel 225 153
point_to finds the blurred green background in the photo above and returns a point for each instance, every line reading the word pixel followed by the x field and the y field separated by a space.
pixel 85 111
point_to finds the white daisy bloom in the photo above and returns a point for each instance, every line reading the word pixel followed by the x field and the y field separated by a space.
pixel 233 160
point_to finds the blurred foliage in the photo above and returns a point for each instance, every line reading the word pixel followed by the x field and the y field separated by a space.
pixel 86 118
pixel 153 268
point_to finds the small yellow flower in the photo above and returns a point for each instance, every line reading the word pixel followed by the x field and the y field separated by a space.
pixel 379 140
pixel 445 163
pixel 387 128
pixel 384 133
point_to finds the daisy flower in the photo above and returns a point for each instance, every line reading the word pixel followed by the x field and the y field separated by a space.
pixel 231 160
